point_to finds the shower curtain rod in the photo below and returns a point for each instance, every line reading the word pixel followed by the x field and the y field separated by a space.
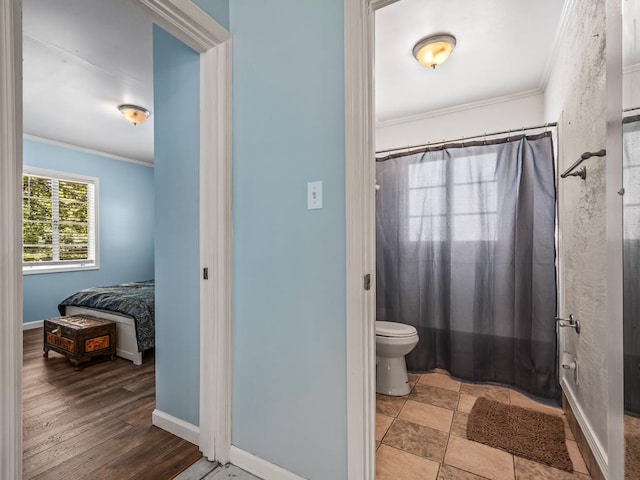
pixel 409 149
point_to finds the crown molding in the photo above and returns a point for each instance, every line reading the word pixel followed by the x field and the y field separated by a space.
pixel 559 36
pixel 378 4
pixel 459 108
pixel 91 151
pixel 558 39
pixel 185 21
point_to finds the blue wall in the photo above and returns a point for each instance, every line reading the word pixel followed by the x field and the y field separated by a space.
pixel 289 340
pixel 176 89
pixel 125 226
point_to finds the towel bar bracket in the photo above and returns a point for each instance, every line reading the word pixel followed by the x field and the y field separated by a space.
pixel 581 172
pixel 571 322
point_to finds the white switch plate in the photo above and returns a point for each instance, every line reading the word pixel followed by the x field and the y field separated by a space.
pixel 314 195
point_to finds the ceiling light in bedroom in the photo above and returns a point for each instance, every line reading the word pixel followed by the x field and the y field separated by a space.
pixel 434 50
pixel 134 113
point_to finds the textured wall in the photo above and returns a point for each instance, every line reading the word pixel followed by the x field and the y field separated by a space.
pixel 576 97
pixel 125 216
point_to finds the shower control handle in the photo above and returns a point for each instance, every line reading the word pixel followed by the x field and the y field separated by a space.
pixel 570 322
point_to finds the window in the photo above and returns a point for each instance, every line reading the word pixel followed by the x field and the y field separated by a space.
pixel 631 176
pixel 59 214
pixel 461 197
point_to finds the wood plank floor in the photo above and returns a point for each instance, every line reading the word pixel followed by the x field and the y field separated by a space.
pixel 95 423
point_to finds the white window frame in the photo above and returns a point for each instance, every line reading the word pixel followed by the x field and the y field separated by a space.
pixel 94 218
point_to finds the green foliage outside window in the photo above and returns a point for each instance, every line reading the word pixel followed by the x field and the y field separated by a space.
pixel 56 217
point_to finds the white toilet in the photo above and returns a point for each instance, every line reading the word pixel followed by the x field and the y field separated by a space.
pixel 393 342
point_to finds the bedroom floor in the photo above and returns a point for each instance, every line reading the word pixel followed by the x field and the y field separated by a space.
pixel 95 423
pixel 423 435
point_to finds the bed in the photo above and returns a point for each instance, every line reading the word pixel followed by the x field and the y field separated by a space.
pixel 130 305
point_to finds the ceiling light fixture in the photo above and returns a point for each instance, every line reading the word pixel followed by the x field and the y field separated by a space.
pixel 433 50
pixel 134 113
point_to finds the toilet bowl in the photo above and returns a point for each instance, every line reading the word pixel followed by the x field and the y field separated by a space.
pixel 393 342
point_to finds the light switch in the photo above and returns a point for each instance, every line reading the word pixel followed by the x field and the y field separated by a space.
pixel 314 195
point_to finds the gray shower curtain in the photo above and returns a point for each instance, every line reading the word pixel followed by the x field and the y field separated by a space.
pixel 466 254
pixel 631 264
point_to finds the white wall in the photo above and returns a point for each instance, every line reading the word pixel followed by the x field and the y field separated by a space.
pixel 504 114
pixel 575 96
pixel 631 88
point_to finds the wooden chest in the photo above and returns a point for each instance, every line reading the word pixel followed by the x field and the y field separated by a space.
pixel 80 337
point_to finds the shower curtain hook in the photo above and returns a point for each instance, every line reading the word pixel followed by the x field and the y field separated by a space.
pixel 484 138
pixel 509 135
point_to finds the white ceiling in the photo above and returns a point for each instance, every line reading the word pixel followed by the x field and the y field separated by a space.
pixel 82 58
pixel 504 47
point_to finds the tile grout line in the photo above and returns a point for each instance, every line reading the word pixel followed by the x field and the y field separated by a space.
pixel 509 401
pixel 513 457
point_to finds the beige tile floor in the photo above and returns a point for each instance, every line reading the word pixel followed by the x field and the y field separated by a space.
pixel 423 435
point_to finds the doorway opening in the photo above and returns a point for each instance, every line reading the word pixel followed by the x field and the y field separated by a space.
pixel 196 29
pixel 458 121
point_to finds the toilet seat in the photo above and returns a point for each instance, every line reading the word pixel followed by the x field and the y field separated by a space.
pixel 394 330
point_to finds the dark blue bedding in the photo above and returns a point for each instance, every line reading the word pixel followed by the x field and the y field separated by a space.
pixel 135 299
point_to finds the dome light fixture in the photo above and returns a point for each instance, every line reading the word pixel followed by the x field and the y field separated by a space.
pixel 434 50
pixel 134 113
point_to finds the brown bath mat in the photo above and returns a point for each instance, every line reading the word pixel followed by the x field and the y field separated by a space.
pixel 632 456
pixel 521 431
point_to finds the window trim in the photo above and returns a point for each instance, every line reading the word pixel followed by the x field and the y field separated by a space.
pixel 72 265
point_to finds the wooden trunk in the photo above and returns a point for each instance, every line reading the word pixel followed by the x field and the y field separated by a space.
pixel 80 337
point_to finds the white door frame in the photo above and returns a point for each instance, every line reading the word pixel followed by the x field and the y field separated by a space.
pixel 614 222
pixel 360 230
pixel 359 38
pixel 188 23
pixel 10 239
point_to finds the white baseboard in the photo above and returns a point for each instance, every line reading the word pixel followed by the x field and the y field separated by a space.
pixel 33 325
pixel 259 467
pixel 597 449
pixel 174 425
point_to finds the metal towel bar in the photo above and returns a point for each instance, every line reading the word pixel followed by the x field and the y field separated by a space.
pixel 582 173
